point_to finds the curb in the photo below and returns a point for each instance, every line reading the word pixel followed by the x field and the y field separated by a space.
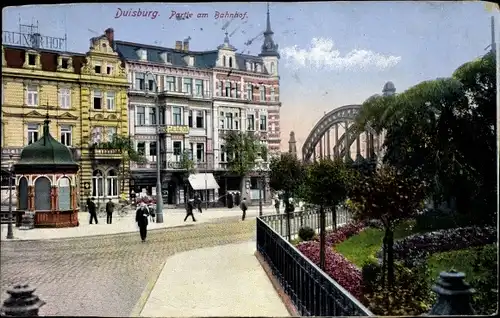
pixel 287 301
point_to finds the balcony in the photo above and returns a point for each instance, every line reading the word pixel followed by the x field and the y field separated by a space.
pixel 146 166
pixel 175 129
pixel 104 151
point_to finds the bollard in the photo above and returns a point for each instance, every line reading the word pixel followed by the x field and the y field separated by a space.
pixel 21 302
pixel 454 295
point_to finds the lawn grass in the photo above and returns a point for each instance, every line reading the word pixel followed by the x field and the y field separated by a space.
pixel 363 246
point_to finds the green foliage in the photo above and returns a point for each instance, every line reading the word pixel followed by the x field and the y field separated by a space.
pixel 286 174
pixel 126 145
pixel 306 233
pixel 410 296
pixel 440 220
pixel 186 163
pixel 242 149
pixel 326 182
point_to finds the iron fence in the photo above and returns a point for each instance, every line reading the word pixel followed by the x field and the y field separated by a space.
pixel 311 290
pixel 309 217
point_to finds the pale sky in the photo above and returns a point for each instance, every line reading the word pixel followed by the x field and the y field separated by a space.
pixel 332 54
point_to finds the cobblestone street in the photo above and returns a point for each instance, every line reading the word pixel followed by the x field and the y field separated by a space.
pixel 105 275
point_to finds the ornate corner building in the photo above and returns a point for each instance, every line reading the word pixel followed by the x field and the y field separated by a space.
pixel 85 97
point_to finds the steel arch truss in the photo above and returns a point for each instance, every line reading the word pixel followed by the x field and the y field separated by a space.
pixel 339 115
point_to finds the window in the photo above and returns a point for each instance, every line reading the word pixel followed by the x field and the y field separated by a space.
pixel 230 62
pixel 64 63
pixel 262 91
pixel 65 98
pixel 96 136
pixel 229 120
pixel 228 89
pixel 141 116
pixel 32 59
pixel 97 69
pixel 97 100
pixel 110 133
pixel 66 136
pixel 200 152
pixel 198 87
pixel 109 69
pixel 152 148
pixel 177 116
pixel 224 61
pixel 250 122
pixel 238 91
pixel 249 91
pixel 221 123
pixel 171 83
pixel 220 88
pixel 110 100
pixel 97 184
pixel 188 86
pixel 32 95
pixel 273 97
pixel 112 183
pixel 139 81
pixel 237 124
pixel 200 119
pixel 272 67
pixel 177 148
pixel 263 123
pixel 33 133
pixel 141 147
pixel 222 153
pixel 152 116
pixel 151 85
pixel 190 119
pixel 162 116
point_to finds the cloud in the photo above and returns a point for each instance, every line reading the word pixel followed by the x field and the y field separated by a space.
pixel 322 54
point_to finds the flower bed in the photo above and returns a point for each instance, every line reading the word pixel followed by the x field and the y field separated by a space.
pixel 415 249
pixel 343 233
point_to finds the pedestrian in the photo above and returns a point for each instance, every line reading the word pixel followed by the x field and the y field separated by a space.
pixel 277 205
pixel 141 217
pixel 244 208
pixel 92 210
pixel 197 201
pixel 189 210
pixel 109 211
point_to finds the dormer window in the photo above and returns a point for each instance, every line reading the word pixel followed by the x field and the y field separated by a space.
pixel 65 63
pixel 247 66
pixel 272 67
pixel 31 59
pixel 257 68
pixel 143 54
pixel 230 62
pixel 109 70
pixel 224 61
pixel 166 57
pixel 97 69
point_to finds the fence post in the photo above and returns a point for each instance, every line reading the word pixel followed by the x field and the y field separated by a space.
pixel 21 302
pixel 454 295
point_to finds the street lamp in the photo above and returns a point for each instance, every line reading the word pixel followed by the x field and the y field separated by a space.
pixel 259 165
pixel 159 199
pixel 10 233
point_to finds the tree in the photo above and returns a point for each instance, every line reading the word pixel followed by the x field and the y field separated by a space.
pixel 242 149
pixel 286 174
pixel 326 183
pixel 188 167
pixel 388 196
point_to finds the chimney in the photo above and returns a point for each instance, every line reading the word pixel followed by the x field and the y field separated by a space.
pixel 110 34
pixel 178 45
pixel 186 46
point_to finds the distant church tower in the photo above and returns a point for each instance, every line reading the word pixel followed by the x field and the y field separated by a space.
pixel 292 145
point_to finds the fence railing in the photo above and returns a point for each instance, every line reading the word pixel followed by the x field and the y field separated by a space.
pixel 311 290
pixel 309 217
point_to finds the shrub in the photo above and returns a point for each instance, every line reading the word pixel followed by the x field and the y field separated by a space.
pixel 485 300
pixel 376 224
pixel 410 294
pixel 432 220
pixel 343 233
pixel 415 249
pixel 336 266
pixel 306 233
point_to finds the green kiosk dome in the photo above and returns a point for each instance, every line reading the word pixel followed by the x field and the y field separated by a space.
pixel 46 182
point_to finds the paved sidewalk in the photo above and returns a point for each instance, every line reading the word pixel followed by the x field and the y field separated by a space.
pixel 225 280
pixel 171 218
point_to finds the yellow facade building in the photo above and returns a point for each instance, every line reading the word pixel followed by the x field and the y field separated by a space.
pixel 85 97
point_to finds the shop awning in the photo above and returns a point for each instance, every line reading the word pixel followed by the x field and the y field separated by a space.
pixel 202 181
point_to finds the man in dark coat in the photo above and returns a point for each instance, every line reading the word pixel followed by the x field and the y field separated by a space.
pixel 92 210
pixel 277 205
pixel 189 210
pixel 141 217
pixel 244 208
pixel 197 202
pixel 109 211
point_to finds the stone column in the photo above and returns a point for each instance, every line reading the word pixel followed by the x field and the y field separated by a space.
pixel 336 153
pixel 367 145
pixel 328 153
pixel 31 198
pixel 321 148
pixel 346 139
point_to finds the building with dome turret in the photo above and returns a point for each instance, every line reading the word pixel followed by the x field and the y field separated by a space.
pixel 47 182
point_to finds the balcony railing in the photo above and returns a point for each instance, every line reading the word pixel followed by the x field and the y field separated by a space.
pixel 311 290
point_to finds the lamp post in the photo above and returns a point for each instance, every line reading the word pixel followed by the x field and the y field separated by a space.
pixel 159 199
pixel 258 164
pixel 10 233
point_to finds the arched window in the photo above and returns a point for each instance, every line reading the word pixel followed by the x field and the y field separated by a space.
pixel 42 194
pixel 97 184
pixel 23 194
pixel 224 61
pixel 64 194
pixel 112 184
pixel 272 67
pixel 230 62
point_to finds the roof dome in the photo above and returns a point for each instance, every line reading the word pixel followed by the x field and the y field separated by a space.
pixel 46 153
pixel 389 88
